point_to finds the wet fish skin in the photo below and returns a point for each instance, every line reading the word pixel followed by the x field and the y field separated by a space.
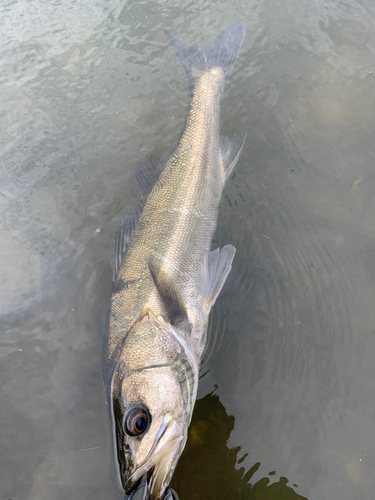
pixel 168 281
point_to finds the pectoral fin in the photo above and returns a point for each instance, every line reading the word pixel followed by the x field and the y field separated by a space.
pixel 218 264
pixel 170 295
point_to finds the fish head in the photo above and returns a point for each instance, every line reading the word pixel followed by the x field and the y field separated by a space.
pixel 153 429
pixel 152 409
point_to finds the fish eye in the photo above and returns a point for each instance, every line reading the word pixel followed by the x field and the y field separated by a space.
pixel 136 421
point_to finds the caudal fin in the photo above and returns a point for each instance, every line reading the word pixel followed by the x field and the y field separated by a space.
pixel 221 52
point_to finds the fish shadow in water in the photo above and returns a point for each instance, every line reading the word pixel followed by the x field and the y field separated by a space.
pixel 207 468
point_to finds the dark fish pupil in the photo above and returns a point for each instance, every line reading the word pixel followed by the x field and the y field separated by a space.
pixel 140 424
pixel 136 421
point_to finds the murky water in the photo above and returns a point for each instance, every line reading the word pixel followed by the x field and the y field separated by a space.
pixel 89 90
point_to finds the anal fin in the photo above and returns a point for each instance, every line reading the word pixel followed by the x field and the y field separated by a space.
pixel 218 264
pixel 230 150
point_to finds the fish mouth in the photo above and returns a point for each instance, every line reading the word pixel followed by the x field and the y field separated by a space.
pixel 141 490
pixel 155 472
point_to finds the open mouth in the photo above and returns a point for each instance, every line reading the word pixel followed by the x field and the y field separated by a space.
pixel 140 489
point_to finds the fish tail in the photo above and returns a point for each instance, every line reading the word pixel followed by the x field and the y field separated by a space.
pixel 221 52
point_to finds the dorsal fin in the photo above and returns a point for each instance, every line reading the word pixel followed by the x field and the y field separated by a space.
pixel 218 264
pixel 170 295
pixel 230 150
pixel 148 175
pixel 123 237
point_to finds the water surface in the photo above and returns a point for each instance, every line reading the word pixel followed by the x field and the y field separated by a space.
pixel 89 91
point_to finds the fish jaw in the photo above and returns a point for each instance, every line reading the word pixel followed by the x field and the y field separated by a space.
pixel 159 465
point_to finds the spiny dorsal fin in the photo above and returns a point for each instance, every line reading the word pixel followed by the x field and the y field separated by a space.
pixel 230 150
pixel 148 175
pixel 217 264
pixel 170 295
pixel 123 236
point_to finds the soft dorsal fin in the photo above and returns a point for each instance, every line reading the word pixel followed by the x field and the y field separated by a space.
pixel 218 264
pixel 123 237
pixel 230 150
pixel 170 295
pixel 148 175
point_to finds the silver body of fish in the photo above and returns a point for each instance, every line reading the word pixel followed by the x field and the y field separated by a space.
pixel 166 280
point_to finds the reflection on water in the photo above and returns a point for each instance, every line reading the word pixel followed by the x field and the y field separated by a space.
pixel 90 90
pixel 214 468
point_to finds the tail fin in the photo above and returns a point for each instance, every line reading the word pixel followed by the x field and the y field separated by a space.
pixel 221 52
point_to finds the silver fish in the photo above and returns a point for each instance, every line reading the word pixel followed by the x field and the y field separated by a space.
pixel 166 280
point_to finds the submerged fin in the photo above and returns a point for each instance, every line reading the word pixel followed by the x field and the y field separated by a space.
pixel 170 295
pixel 230 150
pixel 221 52
pixel 147 175
pixel 123 237
pixel 190 57
pixel 218 264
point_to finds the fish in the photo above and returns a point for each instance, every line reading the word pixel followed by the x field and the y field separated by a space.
pixel 166 279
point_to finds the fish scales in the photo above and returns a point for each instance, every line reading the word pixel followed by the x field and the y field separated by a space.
pixel 168 280
pixel 179 218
